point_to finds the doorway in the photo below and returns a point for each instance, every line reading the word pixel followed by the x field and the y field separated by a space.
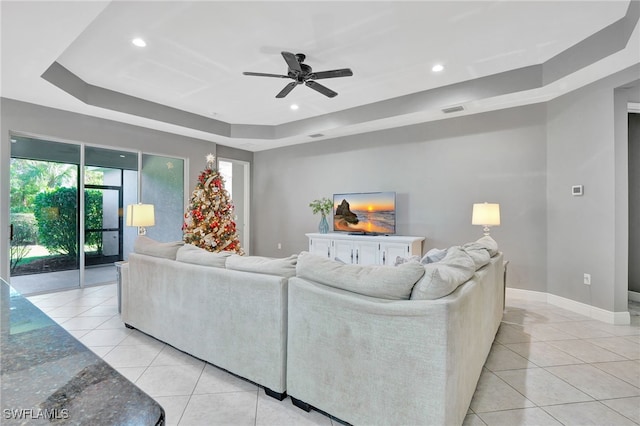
pixel 237 178
pixel 103 224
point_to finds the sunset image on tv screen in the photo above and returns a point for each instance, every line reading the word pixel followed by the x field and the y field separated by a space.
pixel 373 212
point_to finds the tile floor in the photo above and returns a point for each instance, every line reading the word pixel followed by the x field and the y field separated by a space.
pixel 548 366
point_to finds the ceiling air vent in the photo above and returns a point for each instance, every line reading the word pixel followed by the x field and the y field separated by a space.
pixel 453 109
pixel 316 135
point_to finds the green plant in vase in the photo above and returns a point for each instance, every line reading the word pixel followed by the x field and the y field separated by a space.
pixel 322 206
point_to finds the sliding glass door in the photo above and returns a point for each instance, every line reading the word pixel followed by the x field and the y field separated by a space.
pixel 44 217
pixel 62 240
pixel 59 239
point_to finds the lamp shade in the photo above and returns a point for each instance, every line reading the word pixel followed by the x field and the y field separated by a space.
pixel 487 214
pixel 140 215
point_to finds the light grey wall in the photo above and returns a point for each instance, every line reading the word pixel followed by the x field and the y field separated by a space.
pixel 438 171
pixel 581 233
pixel 36 120
pixel 634 202
pixel 234 153
pixel 587 139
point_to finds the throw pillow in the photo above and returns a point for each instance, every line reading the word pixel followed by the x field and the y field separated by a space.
pixel 189 253
pixel 442 278
pixel 150 247
pixel 400 260
pixel 433 255
pixel 285 267
pixel 384 282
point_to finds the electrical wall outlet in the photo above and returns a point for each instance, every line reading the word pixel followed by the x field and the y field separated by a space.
pixel 587 279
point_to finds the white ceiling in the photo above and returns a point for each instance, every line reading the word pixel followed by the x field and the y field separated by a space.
pixel 196 53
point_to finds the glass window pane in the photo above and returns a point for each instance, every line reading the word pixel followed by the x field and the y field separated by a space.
pixel 44 198
pixel 36 149
pixel 102 157
pixel 163 186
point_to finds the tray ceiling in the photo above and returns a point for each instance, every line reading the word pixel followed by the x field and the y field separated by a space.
pixel 188 79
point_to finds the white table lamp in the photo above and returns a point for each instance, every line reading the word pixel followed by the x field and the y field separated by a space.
pixel 486 214
pixel 140 215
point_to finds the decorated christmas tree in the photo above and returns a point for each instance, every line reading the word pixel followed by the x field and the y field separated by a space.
pixel 208 222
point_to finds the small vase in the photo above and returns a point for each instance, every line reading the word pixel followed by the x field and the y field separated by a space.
pixel 323 227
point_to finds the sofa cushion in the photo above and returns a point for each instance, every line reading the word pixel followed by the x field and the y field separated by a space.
pixel 485 242
pixel 432 256
pixel 386 282
pixel 284 267
pixel 479 255
pixel 189 253
pixel 442 278
pixel 150 247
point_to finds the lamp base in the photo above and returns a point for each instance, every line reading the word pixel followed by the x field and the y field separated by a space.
pixel 142 230
pixel 486 230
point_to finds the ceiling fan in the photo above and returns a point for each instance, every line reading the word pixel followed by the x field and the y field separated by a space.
pixel 302 73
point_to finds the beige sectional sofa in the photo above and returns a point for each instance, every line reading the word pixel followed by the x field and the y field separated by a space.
pixel 369 345
pixel 212 306
pixel 372 358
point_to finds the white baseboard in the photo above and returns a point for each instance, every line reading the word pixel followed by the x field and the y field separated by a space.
pixel 634 295
pixel 535 296
pixel 618 318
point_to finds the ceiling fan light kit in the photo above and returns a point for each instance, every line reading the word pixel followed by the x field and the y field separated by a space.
pixel 302 73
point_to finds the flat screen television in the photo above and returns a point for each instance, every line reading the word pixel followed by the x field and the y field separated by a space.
pixel 365 213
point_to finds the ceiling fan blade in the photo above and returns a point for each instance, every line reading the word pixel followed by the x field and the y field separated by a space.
pixel 292 61
pixel 288 88
pixel 320 88
pixel 261 74
pixel 344 72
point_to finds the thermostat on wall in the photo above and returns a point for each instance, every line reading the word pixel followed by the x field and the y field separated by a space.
pixel 576 190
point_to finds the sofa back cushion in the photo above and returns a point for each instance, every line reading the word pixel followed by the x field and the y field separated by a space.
pixel 485 242
pixel 150 247
pixel 386 282
pixel 189 253
pixel 442 278
pixel 285 267
pixel 479 255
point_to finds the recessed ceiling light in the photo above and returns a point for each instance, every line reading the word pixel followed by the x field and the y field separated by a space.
pixel 294 107
pixel 139 42
pixel 437 68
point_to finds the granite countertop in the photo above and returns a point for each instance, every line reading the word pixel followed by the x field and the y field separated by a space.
pixel 48 376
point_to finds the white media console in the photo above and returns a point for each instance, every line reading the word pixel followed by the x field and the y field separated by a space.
pixel 364 249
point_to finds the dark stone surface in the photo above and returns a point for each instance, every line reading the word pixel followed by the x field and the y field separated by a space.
pixel 49 376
